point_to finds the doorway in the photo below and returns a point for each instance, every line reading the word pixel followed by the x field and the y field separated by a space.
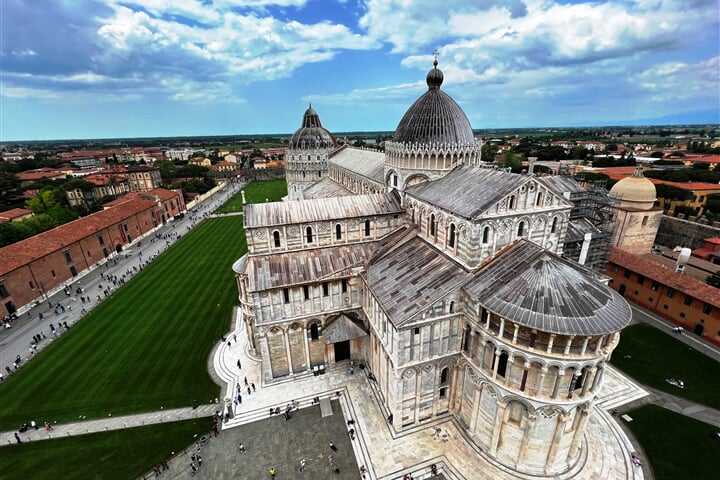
pixel 621 290
pixel 342 350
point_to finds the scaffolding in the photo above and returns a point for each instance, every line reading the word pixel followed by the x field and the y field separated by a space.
pixel 593 213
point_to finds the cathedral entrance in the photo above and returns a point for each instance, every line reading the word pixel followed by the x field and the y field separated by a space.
pixel 342 350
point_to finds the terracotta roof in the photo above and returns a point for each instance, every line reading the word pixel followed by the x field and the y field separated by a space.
pixel 162 193
pixel 25 251
pixel 667 276
pixel 40 173
pixel 619 173
pixel 15 213
pixel 714 240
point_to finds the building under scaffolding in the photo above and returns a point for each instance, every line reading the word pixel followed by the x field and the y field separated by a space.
pixel 592 219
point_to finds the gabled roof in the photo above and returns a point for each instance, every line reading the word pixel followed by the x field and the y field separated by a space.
pixel 319 210
pixel 305 266
pixel 14 213
pixel 25 251
pixel 468 191
pixel 408 279
pixel 343 328
pixel 326 188
pixel 666 276
pixel 366 163
pixel 540 290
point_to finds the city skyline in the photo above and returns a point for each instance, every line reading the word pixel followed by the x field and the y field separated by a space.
pixel 108 69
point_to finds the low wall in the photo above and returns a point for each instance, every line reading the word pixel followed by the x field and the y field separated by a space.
pixel 675 232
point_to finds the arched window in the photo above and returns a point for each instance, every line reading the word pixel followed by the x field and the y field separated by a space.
pixel 444 374
pixel 367 228
pixel 521 229
pixel 554 225
pixel 452 306
pixel 512 202
pixel 314 334
pixel 451 235
pixel 486 234
pixel 276 238
pixel 338 232
pixel 432 225
pixel 538 200
pixel 309 234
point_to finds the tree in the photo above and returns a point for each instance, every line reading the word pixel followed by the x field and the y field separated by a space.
pixel 670 192
pixel 512 160
pixel 489 151
pixel 46 200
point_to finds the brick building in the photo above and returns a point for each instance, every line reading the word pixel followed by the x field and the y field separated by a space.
pixel 683 300
pixel 34 266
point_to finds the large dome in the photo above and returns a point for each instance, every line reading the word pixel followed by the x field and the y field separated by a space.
pixel 312 134
pixel 636 189
pixel 435 118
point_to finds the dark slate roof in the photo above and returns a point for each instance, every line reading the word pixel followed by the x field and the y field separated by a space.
pixel 468 191
pixel 577 228
pixel 304 266
pixel 366 163
pixel 562 184
pixel 312 134
pixel 320 209
pixel 435 118
pixel 408 279
pixel 537 289
pixel 325 188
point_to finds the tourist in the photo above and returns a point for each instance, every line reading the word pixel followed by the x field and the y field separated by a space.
pixel 302 465
pixel 333 447
pixel 241 447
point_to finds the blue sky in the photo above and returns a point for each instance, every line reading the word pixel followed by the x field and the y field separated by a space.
pixel 141 68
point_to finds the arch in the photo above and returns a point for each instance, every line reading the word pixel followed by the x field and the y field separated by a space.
pixel 432 225
pixel 539 199
pixel 276 238
pixel 309 234
pixel 553 228
pixel 367 228
pixel 314 331
pixel 451 236
pixel 486 234
pixel 338 232
pixel 451 308
pixel 444 375
pixel 415 179
pixel 521 228
pixel 512 202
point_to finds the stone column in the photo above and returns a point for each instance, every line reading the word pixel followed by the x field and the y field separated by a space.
pixel 308 367
pixel 568 344
pixel 497 427
pixel 502 328
pixel 579 431
pixel 515 333
pixel 541 381
pixel 597 381
pixel 584 345
pixel 508 369
pixel 286 337
pixel 587 381
pixel 555 444
pixel 495 364
pixel 550 343
pixel 527 435
pixel 561 373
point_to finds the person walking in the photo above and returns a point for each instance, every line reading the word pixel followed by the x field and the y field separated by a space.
pixel 333 447
pixel 302 465
pixel 272 472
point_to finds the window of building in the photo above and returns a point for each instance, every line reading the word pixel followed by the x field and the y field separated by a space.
pixel 52 272
pixel 553 228
pixel 626 274
pixel 338 232
pixel 645 220
pixel 101 240
pixel 682 314
pixel 615 268
pixel 688 300
pixel 314 332
pixel 665 307
pixel 276 238
pixel 538 200
pixel 286 295
pixel 707 309
pixel 3 291
pixel 486 234
pixel 306 292
pixel 309 234
pixel 326 289
pixel 417 330
pixel 650 299
pixel 343 285
pixel 443 392
pixel 367 228
pixel 521 229
pixel 394 180
pixel 444 373
pixel 640 280
pixel 452 306
pixel 670 292
pixel 451 235
pixel 636 292
pixel 68 257
pixel 655 286
pixel 32 285
pixel 512 202
pixel 432 225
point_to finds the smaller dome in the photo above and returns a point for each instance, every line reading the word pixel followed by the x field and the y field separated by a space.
pixel 636 189
pixel 435 76
pixel 311 134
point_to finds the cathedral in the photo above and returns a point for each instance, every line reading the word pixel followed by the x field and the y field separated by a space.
pixel 442 277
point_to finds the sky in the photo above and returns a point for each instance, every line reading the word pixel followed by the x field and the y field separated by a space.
pixel 146 68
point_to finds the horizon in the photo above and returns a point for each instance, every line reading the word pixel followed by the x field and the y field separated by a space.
pixel 114 69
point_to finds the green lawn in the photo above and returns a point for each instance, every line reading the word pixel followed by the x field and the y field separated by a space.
pixel 655 355
pixel 119 454
pixel 144 348
pixel 256 192
pixel 677 447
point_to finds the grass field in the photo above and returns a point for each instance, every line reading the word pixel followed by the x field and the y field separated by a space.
pixel 119 454
pixel 650 356
pixel 144 348
pixel 678 447
pixel 256 192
